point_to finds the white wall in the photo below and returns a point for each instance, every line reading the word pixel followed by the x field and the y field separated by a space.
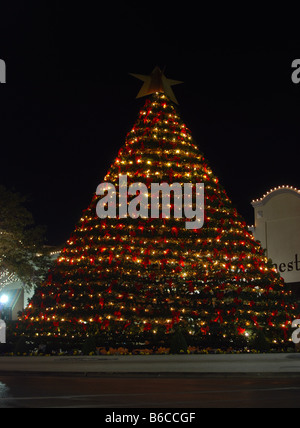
pixel 277 227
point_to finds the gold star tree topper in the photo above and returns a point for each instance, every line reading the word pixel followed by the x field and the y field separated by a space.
pixel 156 82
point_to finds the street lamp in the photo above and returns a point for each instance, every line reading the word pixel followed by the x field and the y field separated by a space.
pixel 3 299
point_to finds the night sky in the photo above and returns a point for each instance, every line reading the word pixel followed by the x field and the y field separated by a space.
pixel 69 101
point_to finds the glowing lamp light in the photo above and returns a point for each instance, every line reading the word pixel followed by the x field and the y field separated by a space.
pixel 3 299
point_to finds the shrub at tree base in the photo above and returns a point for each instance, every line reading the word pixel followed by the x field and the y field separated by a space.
pixel 178 343
pixel 260 343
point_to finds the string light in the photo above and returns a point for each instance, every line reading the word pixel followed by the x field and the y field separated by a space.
pixel 277 189
pixel 125 278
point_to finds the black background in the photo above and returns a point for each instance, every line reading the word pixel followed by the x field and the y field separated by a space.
pixel 69 101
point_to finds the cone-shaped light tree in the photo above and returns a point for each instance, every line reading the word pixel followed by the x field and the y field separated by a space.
pixel 134 280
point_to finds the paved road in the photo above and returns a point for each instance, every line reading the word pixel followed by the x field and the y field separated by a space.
pixel 222 363
pixel 175 381
pixel 33 391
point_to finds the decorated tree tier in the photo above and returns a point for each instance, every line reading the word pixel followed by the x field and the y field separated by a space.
pixel 136 280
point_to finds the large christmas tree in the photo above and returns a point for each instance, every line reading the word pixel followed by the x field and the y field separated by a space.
pixel 137 280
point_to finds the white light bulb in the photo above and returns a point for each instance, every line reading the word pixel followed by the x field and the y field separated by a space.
pixel 4 299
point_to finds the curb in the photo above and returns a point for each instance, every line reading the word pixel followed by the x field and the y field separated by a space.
pixel 161 375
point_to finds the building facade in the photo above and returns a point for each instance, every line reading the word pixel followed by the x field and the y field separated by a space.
pixel 277 227
pixel 17 296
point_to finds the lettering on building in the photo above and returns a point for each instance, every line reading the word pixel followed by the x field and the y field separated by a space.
pixel 288 266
